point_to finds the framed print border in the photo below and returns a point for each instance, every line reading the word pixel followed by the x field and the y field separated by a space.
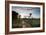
pixel 7 16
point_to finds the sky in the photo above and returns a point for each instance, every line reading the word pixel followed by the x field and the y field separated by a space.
pixel 25 11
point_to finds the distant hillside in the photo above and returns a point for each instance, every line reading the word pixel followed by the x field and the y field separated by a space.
pixel 31 18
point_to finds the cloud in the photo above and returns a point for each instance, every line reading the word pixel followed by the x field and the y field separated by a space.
pixel 23 11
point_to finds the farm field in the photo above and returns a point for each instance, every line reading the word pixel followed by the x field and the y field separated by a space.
pixel 26 23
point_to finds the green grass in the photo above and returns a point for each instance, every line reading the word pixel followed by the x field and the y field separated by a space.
pixel 29 23
pixel 36 23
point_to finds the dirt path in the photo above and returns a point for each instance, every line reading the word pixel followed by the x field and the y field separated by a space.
pixel 25 24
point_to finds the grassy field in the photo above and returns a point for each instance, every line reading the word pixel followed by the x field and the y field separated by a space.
pixel 36 23
pixel 26 23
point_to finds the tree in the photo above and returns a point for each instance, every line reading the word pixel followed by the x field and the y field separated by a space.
pixel 30 20
pixel 14 18
pixel 30 14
